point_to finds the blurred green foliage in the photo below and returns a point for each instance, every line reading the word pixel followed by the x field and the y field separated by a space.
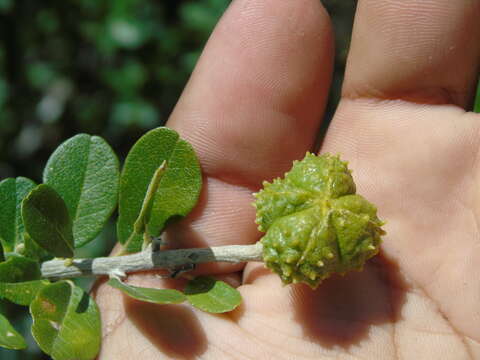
pixel 114 68
pixel 476 105
pixel 111 68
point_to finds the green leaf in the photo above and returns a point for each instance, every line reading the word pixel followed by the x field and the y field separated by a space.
pixel 12 192
pixel 18 269
pixel 19 279
pixel 476 106
pixel 66 322
pixel 140 224
pixel 211 295
pixel 33 250
pixel 84 170
pixel 9 337
pixel 22 293
pixel 157 296
pixel 177 191
pixel 46 220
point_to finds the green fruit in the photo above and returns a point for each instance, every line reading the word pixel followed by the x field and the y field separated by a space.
pixel 315 224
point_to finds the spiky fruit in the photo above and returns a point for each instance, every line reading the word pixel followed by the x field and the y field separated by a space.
pixel 315 224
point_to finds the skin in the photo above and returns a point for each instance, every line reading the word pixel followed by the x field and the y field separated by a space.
pixel 252 106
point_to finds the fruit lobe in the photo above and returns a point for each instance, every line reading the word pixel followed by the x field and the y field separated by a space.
pixel 315 224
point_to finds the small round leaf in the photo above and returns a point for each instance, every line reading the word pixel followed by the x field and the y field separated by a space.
pixel 211 295
pixel 156 296
pixel 22 293
pixel 177 192
pixel 12 192
pixel 46 220
pixel 9 337
pixel 84 170
pixel 18 269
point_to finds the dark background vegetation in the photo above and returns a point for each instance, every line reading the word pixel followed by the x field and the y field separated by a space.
pixel 110 68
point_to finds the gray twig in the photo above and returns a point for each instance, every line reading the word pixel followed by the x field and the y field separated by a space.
pixel 150 259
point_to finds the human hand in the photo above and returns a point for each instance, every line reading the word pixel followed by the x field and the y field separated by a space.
pixel 252 106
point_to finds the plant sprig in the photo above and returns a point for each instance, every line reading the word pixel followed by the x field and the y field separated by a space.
pixel 160 183
pixel 315 226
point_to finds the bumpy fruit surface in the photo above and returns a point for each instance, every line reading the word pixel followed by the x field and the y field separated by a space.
pixel 315 224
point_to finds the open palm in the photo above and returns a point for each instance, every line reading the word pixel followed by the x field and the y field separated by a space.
pixel 252 106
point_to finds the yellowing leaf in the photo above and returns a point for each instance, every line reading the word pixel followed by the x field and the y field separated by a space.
pixel 9 337
pixel 66 322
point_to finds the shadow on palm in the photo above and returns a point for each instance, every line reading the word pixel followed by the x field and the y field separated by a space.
pixel 174 330
pixel 340 312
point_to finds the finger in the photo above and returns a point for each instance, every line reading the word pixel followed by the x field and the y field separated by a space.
pixel 422 51
pixel 254 101
pixel 252 106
